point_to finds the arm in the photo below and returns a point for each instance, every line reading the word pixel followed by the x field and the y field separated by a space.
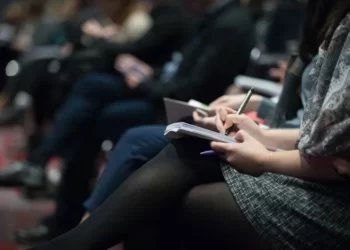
pixel 281 138
pixel 223 55
pixel 293 163
pixel 145 47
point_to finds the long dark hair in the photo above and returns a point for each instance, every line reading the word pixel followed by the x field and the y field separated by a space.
pixel 321 20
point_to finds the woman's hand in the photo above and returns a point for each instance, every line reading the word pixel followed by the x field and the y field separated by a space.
pixel 226 118
pixel 246 157
pixel 342 167
pixel 205 122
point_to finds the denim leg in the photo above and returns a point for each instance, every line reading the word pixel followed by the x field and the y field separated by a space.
pixel 80 155
pixel 120 116
pixel 89 96
pixel 136 147
pixel 76 183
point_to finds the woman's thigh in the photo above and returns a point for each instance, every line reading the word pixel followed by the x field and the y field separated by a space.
pixel 215 221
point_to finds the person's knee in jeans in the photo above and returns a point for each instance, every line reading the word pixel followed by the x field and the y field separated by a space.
pixel 98 86
pixel 135 148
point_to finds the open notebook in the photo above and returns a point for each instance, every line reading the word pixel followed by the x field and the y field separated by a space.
pixel 180 129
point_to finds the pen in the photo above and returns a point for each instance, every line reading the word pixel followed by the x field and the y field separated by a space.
pixel 209 152
pixel 241 108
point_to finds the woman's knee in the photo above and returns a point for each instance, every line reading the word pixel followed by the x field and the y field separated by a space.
pixel 212 210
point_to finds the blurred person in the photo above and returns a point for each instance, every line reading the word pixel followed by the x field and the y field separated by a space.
pixel 156 46
pixel 285 26
pixel 289 199
pixel 129 21
pixel 104 106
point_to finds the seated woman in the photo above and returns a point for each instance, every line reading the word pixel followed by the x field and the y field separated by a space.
pixel 249 197
pixel 139 145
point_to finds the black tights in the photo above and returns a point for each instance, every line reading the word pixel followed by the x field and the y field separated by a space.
pixel 177 179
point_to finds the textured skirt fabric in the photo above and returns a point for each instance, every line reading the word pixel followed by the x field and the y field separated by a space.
pixel 290 213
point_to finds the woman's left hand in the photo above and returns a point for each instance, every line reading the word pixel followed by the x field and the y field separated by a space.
pixel 247 156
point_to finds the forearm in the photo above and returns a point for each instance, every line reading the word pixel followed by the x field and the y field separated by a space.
pixel 285 139
pixel 293 163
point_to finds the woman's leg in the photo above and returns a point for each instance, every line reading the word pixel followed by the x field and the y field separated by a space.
pixel 214 220
pixel 147 195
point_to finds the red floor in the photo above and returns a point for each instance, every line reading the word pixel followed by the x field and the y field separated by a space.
pixel 15 211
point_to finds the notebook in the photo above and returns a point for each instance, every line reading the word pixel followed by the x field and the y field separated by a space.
pixel 181 129
pixel 178 110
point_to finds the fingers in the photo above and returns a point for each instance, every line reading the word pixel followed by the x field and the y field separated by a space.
pixel 242 136
pixel 233 119
pixel 221 147
pixel 221 118
pixel 196 117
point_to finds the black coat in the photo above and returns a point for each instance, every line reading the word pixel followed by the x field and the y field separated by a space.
pixel 217 52
pixel 172 26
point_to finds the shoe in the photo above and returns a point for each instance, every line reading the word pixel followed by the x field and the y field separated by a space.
pixel 12 116
pixel 48 229
pixel 22 174
pixel 34 235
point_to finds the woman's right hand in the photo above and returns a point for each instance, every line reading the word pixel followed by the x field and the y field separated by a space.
pixel 226 118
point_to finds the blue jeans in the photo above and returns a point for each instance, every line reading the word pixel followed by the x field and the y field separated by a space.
pixel 136 147
pixel 94 96
pixel 100 107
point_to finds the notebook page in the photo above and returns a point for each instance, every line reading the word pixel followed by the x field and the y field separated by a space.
pixel 175 130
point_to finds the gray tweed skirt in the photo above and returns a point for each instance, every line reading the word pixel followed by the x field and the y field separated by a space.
pixel 290 213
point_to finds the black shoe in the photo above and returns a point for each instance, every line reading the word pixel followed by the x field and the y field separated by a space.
pixel 23 174
pixel 12 116
pixel 34 235
pixel 48 229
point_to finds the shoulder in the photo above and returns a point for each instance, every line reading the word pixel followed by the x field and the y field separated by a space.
pixel 235 17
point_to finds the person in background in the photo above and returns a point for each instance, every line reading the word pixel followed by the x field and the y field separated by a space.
pixel 104 106
pixel 285 26
pixel 128 21
pixel 246 196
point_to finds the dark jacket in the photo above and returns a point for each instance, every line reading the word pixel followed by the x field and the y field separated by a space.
pixel 217 52
pixel 172 26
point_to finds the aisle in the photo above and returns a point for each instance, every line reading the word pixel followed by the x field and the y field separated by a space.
pixel 16 212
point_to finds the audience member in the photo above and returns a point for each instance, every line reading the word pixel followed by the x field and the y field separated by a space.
pixel 34 81
pixel 271 200
pixel 139 145
pixel 129 21
pixel 104 106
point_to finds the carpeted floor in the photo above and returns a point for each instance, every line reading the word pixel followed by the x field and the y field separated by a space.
pixel 16 211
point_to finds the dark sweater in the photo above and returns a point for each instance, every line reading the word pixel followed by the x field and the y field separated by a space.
pixel 218 51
